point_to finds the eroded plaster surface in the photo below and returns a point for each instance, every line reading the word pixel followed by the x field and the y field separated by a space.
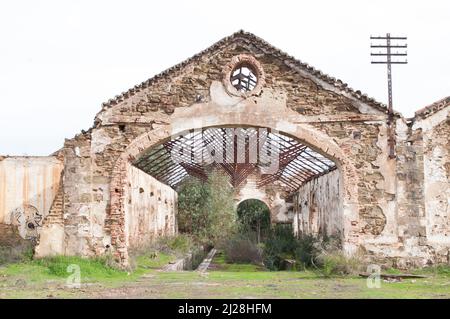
pixel 317 207
pixel 150 209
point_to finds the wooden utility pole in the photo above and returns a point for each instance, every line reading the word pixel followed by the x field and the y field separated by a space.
pixel 384 48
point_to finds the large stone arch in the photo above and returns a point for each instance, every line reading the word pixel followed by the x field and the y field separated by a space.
pixel 200 116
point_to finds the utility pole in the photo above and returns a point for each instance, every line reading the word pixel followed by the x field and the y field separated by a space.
pixel 384 47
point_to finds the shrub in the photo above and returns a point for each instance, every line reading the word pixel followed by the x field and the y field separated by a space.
pixel 20 253
pixel 330 260
pixel 254 219
pixel 192 207
pixel 306 250
pixel 335 263
pixel 323 254
pixel 281 244
pixel 242 250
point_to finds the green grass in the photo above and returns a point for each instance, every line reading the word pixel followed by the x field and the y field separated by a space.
pixel 146 262
pixel 220 262
pixel 439 270
pixel 91 269
pixel 45 278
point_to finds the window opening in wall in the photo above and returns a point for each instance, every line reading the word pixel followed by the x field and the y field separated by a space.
pixel 244 78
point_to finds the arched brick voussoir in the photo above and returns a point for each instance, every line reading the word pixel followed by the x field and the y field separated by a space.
pixel 115 222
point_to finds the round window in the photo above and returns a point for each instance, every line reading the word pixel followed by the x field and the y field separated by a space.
pixel 244 78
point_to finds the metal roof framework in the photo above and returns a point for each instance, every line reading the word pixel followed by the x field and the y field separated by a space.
pixel 239 152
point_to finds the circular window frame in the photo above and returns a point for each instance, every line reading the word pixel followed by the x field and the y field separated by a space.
pixel 251 63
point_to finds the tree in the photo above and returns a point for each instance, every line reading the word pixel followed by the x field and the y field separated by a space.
pixel 206 209
pixel 192 207
pixel 222 214
pixel 254 217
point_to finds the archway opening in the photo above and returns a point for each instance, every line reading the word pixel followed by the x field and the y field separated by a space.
pixel 302 186
pixel 254 219
pixel 261 163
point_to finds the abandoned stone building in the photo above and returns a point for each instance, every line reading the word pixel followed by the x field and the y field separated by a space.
pixel 343 168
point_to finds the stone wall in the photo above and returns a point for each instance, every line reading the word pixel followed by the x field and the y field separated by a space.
pixel 86 194
pixel 436 161
pixel 318 207
pixel 150 209
pixel 421 235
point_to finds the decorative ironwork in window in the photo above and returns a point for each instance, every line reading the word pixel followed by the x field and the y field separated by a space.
pixel 243 78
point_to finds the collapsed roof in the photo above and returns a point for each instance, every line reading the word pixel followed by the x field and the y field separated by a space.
pixel 239 152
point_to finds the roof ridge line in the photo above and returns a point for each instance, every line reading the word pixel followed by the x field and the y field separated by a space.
pixel 432 108
pixel 337 83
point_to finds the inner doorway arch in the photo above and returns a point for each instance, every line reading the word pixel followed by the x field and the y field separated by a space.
pixel 254 218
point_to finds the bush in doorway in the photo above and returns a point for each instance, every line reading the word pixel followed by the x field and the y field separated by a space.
pixel 241 249
pixel 280 245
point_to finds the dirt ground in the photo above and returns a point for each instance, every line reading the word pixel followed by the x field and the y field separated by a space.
pixel 229 284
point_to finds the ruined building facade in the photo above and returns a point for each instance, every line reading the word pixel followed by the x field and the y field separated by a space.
pixel 91 197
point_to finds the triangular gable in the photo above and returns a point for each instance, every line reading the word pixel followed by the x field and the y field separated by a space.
pixel 265 46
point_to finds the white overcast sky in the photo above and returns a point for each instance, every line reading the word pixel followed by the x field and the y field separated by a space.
pixel 59 60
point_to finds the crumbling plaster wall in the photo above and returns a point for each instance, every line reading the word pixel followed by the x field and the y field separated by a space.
pixel 28 186
pixel 150 209
pixel 318 207
pixel 28 181
pixel 365 144
pixel 435 136
pixel 435 131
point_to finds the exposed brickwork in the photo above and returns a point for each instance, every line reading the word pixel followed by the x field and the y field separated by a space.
pixel 55 214
pixel 410 172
